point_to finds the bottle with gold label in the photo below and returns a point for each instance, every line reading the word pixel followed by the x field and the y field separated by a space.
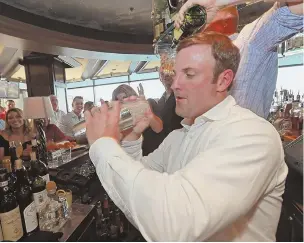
pixel 10 217
pixel 25 200
pixel 195 18
pixel 6 163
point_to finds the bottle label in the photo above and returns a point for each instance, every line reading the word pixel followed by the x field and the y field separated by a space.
pixel 30 217
pixel 3 183
pixel 46 178
pixel 11 225
pixel 40 199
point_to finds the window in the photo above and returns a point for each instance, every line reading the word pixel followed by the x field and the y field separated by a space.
pixel 104 92
pixel 86 93
pixel 153 88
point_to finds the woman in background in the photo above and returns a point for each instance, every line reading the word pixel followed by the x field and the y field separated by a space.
pixel 156 125
pixel 17 129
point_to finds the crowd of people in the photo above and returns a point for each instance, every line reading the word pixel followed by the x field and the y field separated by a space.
pixel 203 163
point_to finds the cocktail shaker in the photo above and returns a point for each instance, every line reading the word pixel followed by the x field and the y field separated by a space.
pixel 129 112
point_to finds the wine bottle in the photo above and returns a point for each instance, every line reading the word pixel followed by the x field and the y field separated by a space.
pixel 25 200
pixel 39 168
pixel 13 154
pixel 39 191
pixel 10 217
pixel 195 18
pixel 35 148
pixel 106 209
pixel 6 163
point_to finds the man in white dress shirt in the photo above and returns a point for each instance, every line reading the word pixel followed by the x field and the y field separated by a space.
pixel 73 117
pixel 58 114
pixel 219 178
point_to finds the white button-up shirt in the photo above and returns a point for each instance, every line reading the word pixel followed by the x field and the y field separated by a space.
pixel 68 122
pixel 220 179
pixel 57 119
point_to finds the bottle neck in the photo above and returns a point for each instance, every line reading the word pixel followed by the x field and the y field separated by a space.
pixel 7 166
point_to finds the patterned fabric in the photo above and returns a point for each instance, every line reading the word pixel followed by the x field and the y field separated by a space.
pixel 256 78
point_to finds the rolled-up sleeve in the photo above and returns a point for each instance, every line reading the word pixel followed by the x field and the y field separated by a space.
pixel 213 190
pixel 274 27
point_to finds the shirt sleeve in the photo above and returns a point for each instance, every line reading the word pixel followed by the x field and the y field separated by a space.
pixel 58 135
pixel 153 161
pixel 213 190
pixel 272 28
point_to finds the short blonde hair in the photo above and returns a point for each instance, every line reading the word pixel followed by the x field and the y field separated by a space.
pixel 225 53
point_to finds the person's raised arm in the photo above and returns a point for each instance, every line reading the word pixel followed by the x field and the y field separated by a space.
pixel 212 6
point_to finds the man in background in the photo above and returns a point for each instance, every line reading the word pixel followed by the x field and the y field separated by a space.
pixel 10 104
pixel 59 114
pixel 73 117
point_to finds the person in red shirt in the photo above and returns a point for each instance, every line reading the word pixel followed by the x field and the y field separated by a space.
pixel 53 133
pixel 2 113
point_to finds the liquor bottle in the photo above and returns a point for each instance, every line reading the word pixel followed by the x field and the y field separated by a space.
pixel 39 191
pixel 6 163
pixel 10 217
pixel 195 18
pixel 25 200
pixel 35 148
pixel 118 222
pixel 114 229
pixel 106 210
pixel 39 168
pixel 13 153
pixel 101 224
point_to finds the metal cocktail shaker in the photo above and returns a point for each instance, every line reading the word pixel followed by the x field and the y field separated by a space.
pixel 130 111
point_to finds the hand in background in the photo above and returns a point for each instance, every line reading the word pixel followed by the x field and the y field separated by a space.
pixel 140 90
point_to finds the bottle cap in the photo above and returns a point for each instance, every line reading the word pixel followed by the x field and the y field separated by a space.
pixel 33 156
pixel 12 144
pixel 6 160
pixel 3 174
pixel 51 185
pixel 34 142
pixel 18 163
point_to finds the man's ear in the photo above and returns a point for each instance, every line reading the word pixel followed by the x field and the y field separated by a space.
pixel 224 80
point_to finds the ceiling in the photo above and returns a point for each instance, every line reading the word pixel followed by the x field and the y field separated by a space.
pixel 96 69
pixel 112 15
pixel 90 31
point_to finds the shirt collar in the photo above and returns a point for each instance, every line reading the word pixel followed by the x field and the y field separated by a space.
pixel 233 36
pixel 217 113
pixel 74 115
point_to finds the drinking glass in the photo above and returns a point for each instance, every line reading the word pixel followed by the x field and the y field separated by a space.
pixel 66 155
pixel 19 149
